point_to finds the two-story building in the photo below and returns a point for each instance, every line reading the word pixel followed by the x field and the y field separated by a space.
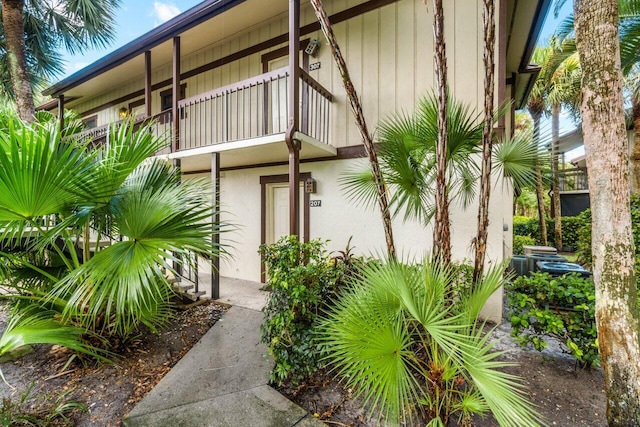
pixel 248 92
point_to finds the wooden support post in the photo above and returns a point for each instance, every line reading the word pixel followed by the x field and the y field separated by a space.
pixel 61 112
pixel 175 114
pixel 215 220
pixel 147 83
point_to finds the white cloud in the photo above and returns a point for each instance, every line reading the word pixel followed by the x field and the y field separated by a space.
pixel 76 66
pixel 164 11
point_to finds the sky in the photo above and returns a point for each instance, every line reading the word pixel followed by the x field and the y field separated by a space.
pixel 134 18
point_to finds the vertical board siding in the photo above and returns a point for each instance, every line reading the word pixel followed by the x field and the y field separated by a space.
pixel 389 52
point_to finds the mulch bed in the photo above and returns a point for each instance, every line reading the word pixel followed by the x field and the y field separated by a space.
pixel 565 394
pixel 108 392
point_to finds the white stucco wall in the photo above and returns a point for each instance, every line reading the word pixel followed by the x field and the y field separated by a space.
pixel 338 218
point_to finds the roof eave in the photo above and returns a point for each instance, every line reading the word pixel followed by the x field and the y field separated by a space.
pixel 158 35
pixel 526 67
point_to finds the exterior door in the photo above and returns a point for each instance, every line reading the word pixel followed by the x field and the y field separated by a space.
pixel 277 215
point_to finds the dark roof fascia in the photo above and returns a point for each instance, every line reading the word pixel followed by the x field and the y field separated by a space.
pixel 542 10
pixel 534 71
pixel 172 28
pixel 52 104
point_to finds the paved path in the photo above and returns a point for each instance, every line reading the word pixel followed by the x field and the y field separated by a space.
pixel 221 381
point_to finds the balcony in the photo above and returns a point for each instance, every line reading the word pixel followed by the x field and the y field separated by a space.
pixel 246 121
pixel 573 180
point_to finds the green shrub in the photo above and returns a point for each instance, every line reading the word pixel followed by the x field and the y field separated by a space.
pixel 520 241
pixel 571 227
pixel 302 279
pixel 583 245
pixel 524 225
pixel 530 226
pixel 563 307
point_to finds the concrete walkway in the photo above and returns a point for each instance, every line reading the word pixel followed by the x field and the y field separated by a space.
pixel 221 381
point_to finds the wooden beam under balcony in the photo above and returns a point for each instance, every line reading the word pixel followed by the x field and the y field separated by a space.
pixel 176 95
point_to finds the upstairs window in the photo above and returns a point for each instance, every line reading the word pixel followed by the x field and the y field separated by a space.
pixel 166 97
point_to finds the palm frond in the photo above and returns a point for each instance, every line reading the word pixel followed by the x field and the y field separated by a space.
pixel 359 187
pixel 516 157
pixel 117 160
pixel 25 328
pixel 39 175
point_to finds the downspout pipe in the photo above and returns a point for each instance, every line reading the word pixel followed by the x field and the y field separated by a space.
pixel 293 145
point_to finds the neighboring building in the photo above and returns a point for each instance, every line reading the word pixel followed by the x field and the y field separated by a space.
pixel 218 78
pixel 574 185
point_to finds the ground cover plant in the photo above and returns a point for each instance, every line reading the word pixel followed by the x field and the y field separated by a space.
pixel 57 196
pixel 28 410
pixel 541 306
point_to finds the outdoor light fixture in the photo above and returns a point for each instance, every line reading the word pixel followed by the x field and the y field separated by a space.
pixel 123 113
pixel 310 185
pixel 312 48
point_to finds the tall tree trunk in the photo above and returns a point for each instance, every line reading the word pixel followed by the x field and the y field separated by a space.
pixel 488 15
pixel 605 137
pixel 555 138
pixel 442 227
pixel 12 19
pixel 635 159
pixel 356 108
pixel 539 186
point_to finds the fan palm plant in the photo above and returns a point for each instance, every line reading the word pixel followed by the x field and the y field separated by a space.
pixel 414 354
pixel 54 190
pixel 408 161
pixel 31 32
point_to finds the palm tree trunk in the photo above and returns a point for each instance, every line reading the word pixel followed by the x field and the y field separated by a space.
pixel 356 108
pixel 488 14
pixel 539 186
pixel 442 227
pixel 555 137
pixel 12 19
pixel 605 138
pixel 635 160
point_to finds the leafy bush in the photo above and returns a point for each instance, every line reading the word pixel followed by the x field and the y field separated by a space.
pixel 525 226
pixel 583 245
pixel 563 307
pixel 520 241
pixel 407 342
pixel 303 280
pixel 530 226
pixel 571 228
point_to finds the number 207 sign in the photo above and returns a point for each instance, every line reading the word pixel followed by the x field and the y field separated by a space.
pixel 315 203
